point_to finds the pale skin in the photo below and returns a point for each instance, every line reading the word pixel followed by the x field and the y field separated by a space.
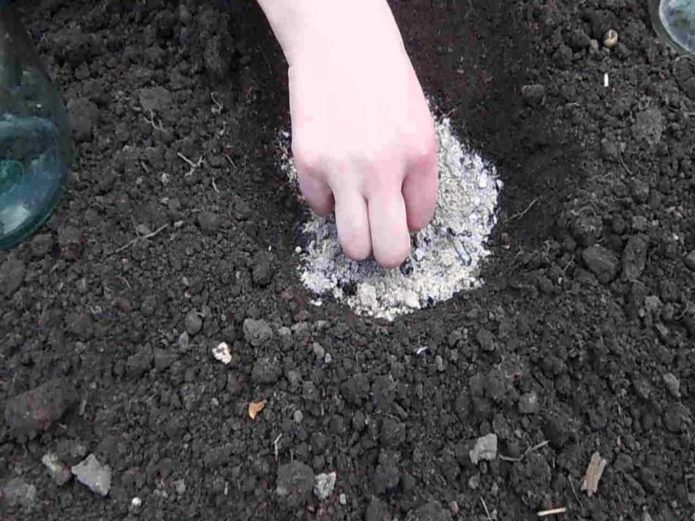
pixel 363 138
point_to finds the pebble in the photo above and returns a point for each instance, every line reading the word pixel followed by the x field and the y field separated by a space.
pixel 18 492
pixel 298 416
pixel 649 126
pixel 12 273
pixel 601 262
pixel 528 403
pixel 70 242
pixel 36 410
pixel 58 471
pixel 93 475
pixel 439 363
pixel 319 351
pixel 485 449
pixel 431 511
pixel 533 94
pixel 41 244
pixel 673 384
pixel 184 341
pixel 193 322
pixel 180 487
pixel 295 482
pixel 257 332
pixel 222 353
pixel 690 260
pixel 324 485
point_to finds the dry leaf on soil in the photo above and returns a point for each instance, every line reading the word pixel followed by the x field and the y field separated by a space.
pixel 593 474
pixel 255 408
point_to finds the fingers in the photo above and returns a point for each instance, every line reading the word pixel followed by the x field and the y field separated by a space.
pixel 352 221
pixel 389 231
pixel 421 182
pixel 318 195
pixel 420 195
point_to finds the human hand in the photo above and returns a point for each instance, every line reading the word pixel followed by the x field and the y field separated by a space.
pixel 363 138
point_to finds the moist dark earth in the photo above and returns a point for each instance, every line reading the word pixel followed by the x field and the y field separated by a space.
pixel 179 233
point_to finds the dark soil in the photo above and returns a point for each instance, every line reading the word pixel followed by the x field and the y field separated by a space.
pixel 582 336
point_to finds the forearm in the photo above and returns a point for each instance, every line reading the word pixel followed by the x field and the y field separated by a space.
pixel 298 24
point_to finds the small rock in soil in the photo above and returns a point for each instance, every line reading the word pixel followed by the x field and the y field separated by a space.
pixel 485 449
pixel 295 482
pixel 690 260
pixel 12 273
pixel 37 409
pixel 257 332
pixel 634 258
pixel 222 353
pixel 266 370
pixel 324 485
pixel 93 475
pixel 648 126
pixel 528 403
pixel 377 511
pixel 193 323
pixel 58 471
pixel 41 244
pixel 18 492
pixel 601 262
pixel 533 94
pixel 673 384
pixel 429 512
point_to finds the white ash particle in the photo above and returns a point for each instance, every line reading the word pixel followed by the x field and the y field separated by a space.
pixel 445 257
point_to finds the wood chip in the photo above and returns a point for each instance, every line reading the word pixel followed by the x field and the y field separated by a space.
pixel 255 408
pixel 593 474
pixel 552 512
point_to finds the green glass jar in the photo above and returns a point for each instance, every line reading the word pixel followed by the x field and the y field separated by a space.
pixel 674 21
pixel 35 147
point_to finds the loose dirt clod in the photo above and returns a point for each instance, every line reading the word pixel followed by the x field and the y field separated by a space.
pixel 445 258
pixel 593 474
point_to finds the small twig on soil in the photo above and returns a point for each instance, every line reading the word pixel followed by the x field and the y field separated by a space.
pixel 552 512
pixel 620 158
pixel 526 453
pixel 487 512
pixel 593 474
pixel 193 165
pixel 214 186
pixel 524 212
pixel 275 446
pixel 140 238
pixel 153 123
pixel 231 162
pixel 574 492
pixel 218 106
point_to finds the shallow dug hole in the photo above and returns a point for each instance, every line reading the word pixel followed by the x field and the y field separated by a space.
pixel 178 238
